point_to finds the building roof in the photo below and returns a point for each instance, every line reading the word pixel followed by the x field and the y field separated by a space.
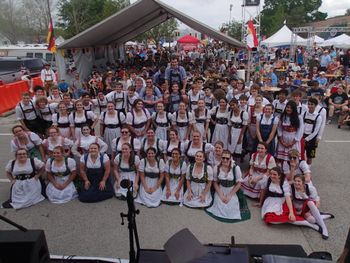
pixel 135 19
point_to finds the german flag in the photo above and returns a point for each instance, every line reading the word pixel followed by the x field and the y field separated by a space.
pixel 50 38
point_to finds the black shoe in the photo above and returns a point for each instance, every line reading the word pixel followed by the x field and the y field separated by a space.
pixel 331 216
pixel 339 126
pixel 324 237
pixel 7 204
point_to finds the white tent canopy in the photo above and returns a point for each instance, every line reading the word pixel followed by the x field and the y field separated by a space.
pixel 136 19
pixel 342 41
pixel 316 39
pixel 282 37
pixel 101 42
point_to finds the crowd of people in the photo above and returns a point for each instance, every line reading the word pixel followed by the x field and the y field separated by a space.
pixel 181 133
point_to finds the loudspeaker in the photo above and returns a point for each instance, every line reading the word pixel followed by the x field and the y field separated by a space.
pixel 23 247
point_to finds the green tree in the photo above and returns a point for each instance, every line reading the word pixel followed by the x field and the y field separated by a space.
pixel 77 15
pixel 164 31
pixel 295 12
pixel 11 21
pixel 234 29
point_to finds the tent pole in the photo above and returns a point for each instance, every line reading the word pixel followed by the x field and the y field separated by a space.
pixel 249 65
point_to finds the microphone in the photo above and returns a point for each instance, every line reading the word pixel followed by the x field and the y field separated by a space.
pixel 126 183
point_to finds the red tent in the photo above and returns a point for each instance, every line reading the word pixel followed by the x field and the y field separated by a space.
pixel 188 39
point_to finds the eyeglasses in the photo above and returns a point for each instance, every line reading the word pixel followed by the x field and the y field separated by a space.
pixel 225 158
pixel 293 157
pixel 21 153
pixel 124 132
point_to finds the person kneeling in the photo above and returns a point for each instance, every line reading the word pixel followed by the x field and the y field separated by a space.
pixel 199 177
pixel 227 182
pixel 94 171
pixel 61 171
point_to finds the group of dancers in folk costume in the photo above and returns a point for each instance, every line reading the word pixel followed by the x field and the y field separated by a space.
pixel 189 156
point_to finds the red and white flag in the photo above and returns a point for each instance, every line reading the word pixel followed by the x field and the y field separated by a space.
pixel 252 40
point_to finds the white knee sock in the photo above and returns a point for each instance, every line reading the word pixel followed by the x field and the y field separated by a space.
pixel 316 214
pixel 305 223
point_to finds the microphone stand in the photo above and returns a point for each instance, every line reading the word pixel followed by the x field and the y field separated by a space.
pixel 13 224
pixel 131 217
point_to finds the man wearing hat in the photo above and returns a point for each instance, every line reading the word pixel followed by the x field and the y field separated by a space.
pixel 48 77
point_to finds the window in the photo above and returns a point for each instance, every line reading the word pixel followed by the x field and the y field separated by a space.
pixel 49 57
pixel 39 55
pixel 29 55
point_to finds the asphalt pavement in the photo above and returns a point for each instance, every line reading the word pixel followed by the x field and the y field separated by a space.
pixel 95 229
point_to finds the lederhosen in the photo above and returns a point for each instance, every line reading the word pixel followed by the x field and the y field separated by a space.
pixel 110 126
pixel 32 125
pixel 265 131
pixel 117 100
pixel 168 153
pixel 152 174
pixel 278 110
pixel 175 76
pixel 208 102
pixel 48 83
pixel 205 177
pixel 95 175
pixel 174 100
pixel 45 124
pixel 310 146
pixel 192 159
